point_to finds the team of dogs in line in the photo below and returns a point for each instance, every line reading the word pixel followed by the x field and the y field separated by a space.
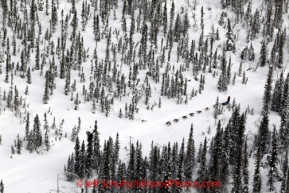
pixel 184 117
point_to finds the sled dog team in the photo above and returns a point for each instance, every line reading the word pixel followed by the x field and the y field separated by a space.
pixel 185 117
pixel 192 114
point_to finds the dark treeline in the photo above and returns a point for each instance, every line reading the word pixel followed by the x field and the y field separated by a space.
pixel 228 160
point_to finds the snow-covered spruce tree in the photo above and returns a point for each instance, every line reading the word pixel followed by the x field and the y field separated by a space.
pixel 277 94
pixel 120 113
pixel 154 158
pixel 248 15
pixel 62 66
pixel 244 77
pixel 234 79
pixel 257 180
pixel 230 45
pixel 203 172
pixel 226 145
pixel 1 187
pixel 115 157
pixel 26 90
pixel 74 25
pixel 82 162
pixel 189 162
pixel 69 171
pixel 224 4
pixel 76 102
pixel 107 107
pixel 28 76
pixel 245 169
pixel 198 157
pixel 285 95
pixel 9 99
pixel 45 126
pixel 67 82
pixel 223 80
pixel 285 175
pixel 46 141
pixel 180 175
pixel 121 175
pixel 174 161
pixel 89 154
pixel 105 173
pixel 12 149
pixel 233 125
pixel 93 106
pixel 240 69
pixel 53 126
pixel 96 149
pixel 273 162
pixel 16 101
pixel 287 182
pixel 216 155
pixel 273 58
pixel 268 23
pixel 255 28
pixel 280 50
pixel 217 109
pixel 77 157
pixel 251 53
pixel 278 17
pixel 263 54
pixel 284 128
pixel 264 125
pixel 18 145
pixel 244 53
pixel 239 164
pixel 167 174
pixel 74 133
pixel 30 145
pixel 46 89
pixel 37 134
pixel 229 71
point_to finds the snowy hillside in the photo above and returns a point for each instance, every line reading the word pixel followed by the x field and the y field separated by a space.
pixel 132 90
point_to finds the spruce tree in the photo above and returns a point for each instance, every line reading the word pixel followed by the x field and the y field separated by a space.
pixel 225 157
pixel 46 89
pixel 181 176
pixel 29 76
pixel 46 141
pixel 82 162
pixel 215 162
pixel 239 153
pixel 77 157
pixel 263 54
pixel 273 162
pixel 19 145
pixel 285 95
pixel 277 94
pixel 202 173
pixel 96 148
pixel 245 168
pixel 89 154
pixel 257 180
pixel 264 125
pixel 1 187
pixel 230 45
